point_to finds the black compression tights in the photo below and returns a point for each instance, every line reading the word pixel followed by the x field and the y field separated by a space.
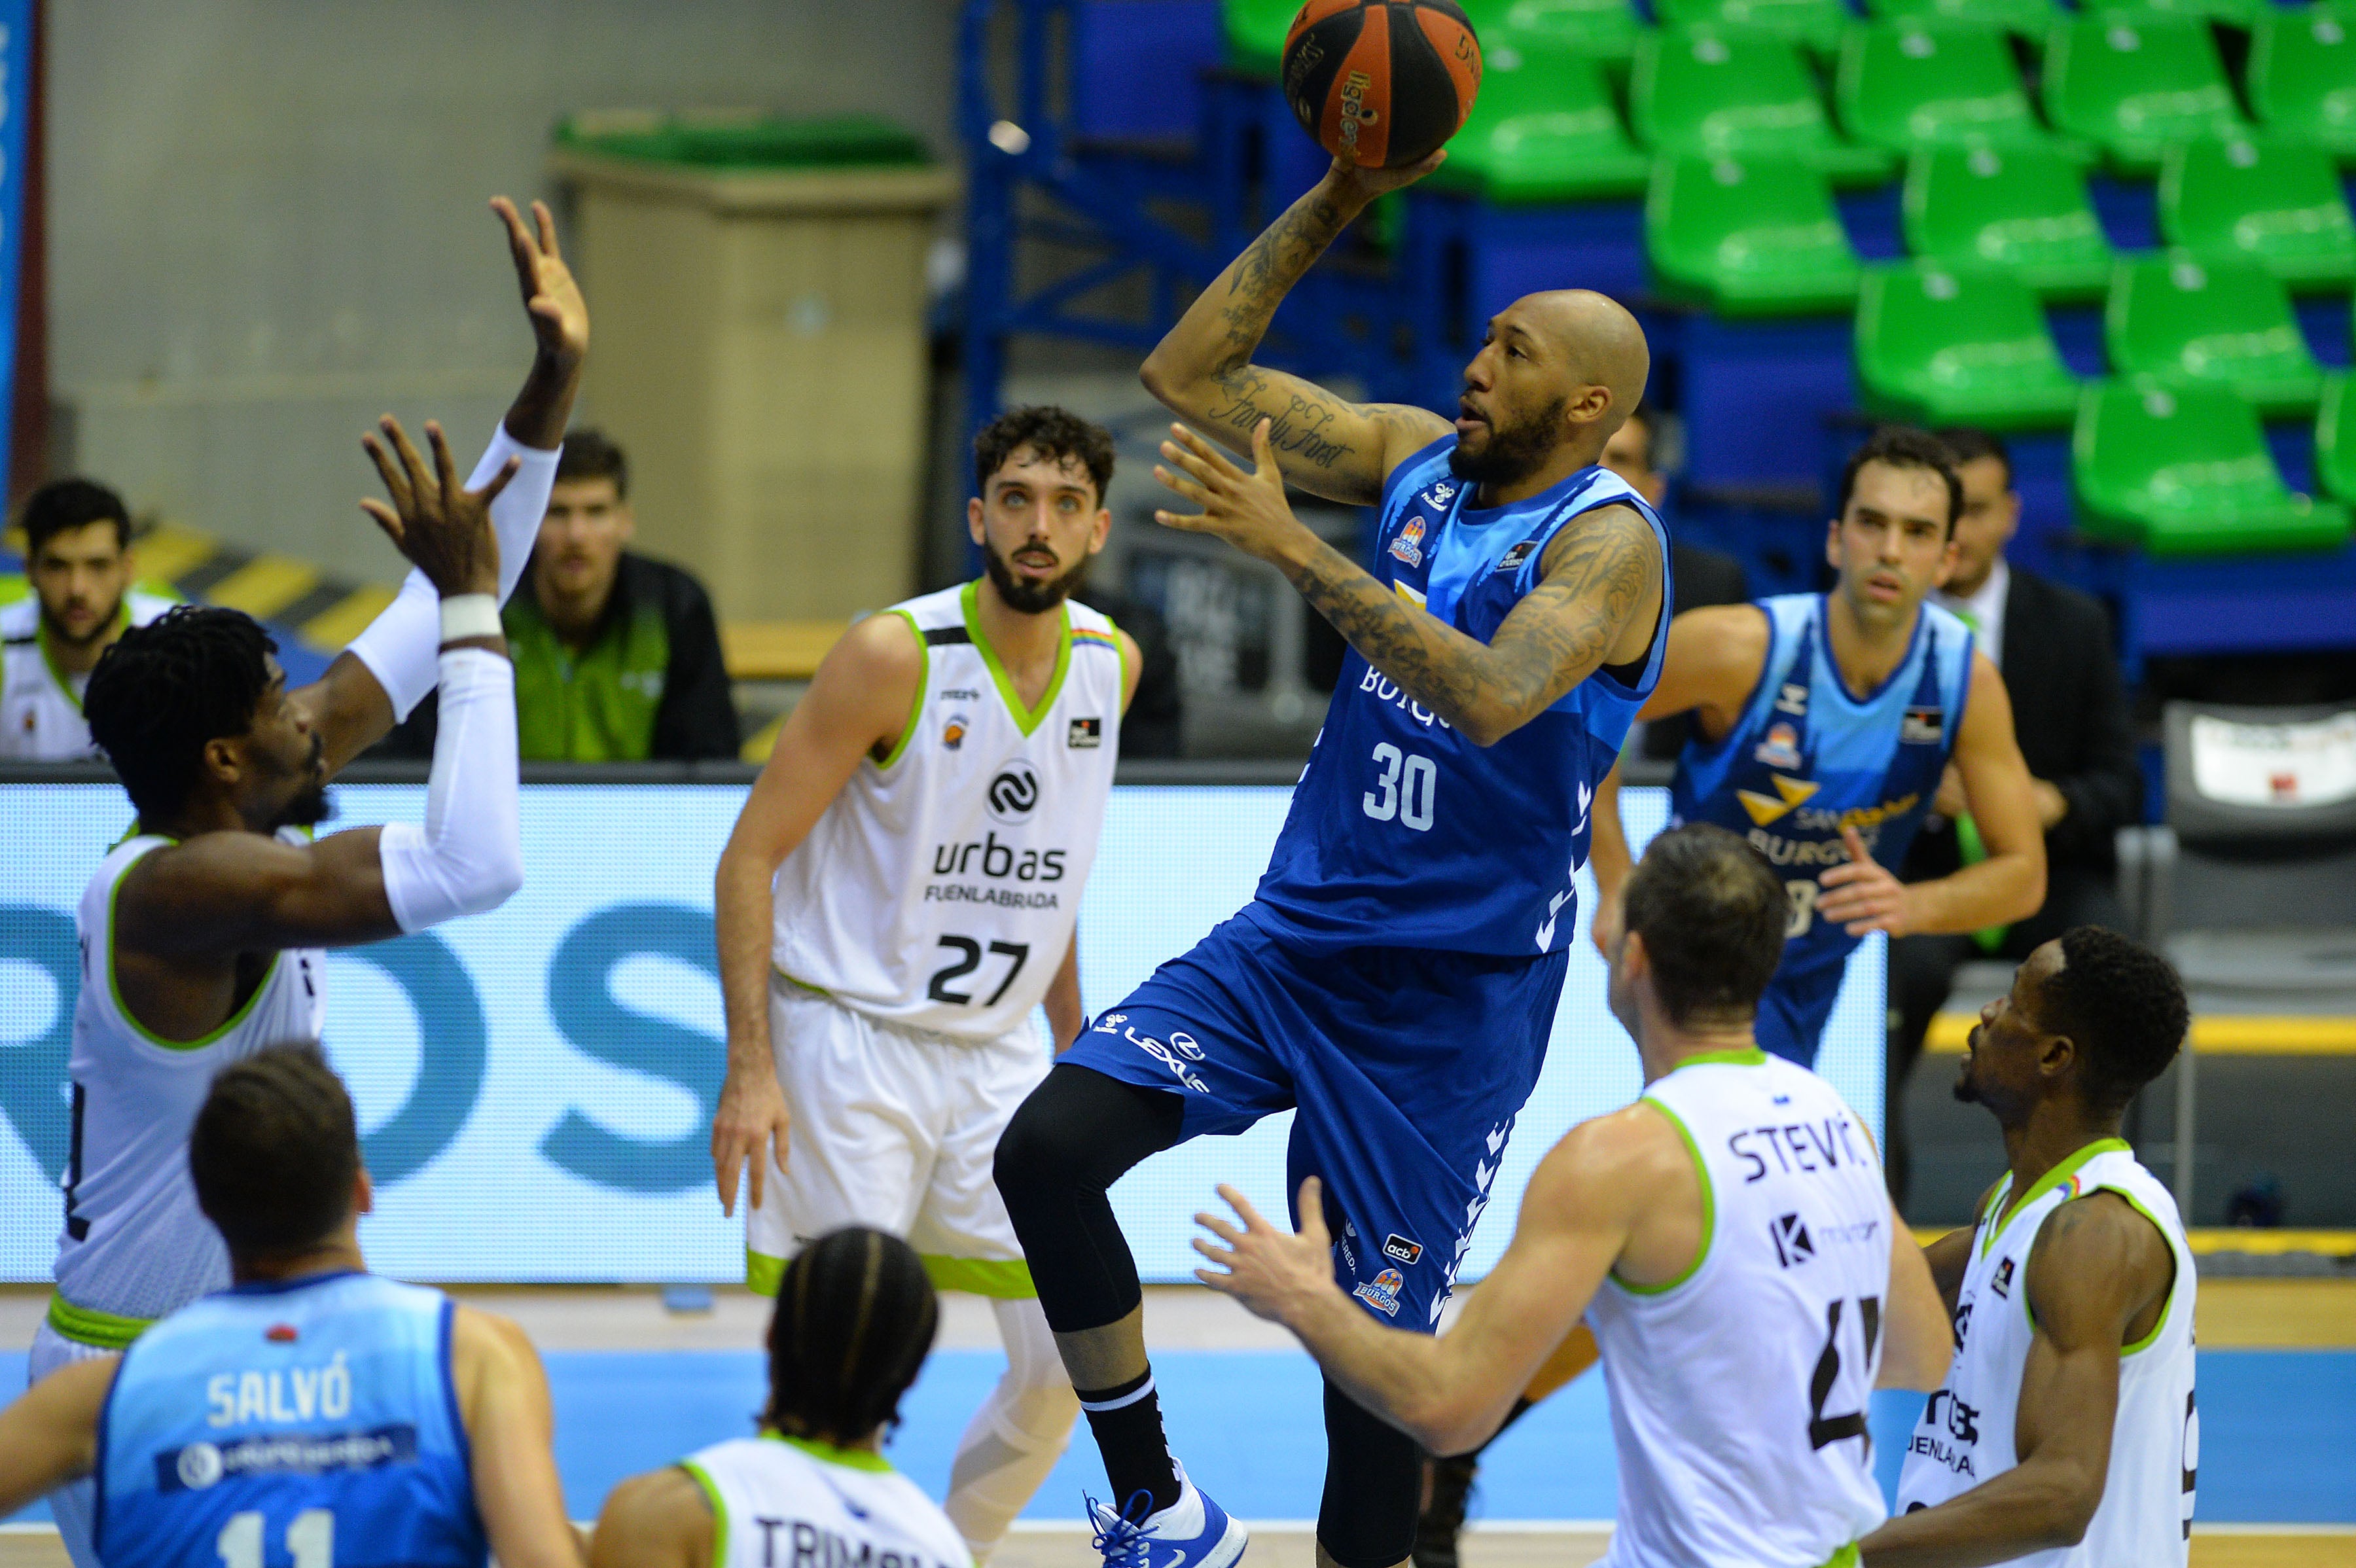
pixel 1078 1134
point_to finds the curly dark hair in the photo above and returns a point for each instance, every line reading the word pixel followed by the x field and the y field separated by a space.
pixel 2123 1005
pixel 1051 432
pixel 854 1321
pixel 1904 446
pixel 62 504
pixel 194 674
pixel 274 1151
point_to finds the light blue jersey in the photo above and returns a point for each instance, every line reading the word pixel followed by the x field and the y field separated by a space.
pixel 1403 834
pixel 1809 757
pixel 308 1425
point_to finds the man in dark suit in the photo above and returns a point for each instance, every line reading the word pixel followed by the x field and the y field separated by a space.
pixel 2069 710
pixel 1701 577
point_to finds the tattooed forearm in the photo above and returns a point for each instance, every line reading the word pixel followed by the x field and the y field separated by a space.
pixel 1602 573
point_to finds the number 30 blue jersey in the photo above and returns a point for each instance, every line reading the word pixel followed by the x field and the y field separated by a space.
pixel 1402 832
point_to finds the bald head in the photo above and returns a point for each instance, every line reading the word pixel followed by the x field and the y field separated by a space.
pixel 1602 345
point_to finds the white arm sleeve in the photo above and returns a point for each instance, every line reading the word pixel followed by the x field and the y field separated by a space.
pixel 399 645
pixel 470 854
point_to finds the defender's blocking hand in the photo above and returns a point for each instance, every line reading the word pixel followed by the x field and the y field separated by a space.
pixel 1272 1272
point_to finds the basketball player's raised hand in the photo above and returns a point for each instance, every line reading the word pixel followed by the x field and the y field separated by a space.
pixel 443 527
pixel 1276 1274
pixel 560 316
pixel 1360 186
pixel 1246 508
pixel 1862 896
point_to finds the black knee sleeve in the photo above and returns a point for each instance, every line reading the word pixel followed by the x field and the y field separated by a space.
pixel 1373 1487
pixel 1075 1136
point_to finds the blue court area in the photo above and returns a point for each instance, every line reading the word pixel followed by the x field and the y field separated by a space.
pixel 2276 1429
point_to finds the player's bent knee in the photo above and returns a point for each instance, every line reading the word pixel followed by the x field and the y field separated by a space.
pixel 1079 1131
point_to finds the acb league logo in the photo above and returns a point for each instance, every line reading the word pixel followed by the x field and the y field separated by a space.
pixel 1013 792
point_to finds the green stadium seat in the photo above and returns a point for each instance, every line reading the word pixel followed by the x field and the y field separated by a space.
pixel 1544 129
pixel 2184 470
pixel 1938 346
pixel 1256 30
pixel 1815 23
pixel 2335 440
pixel 2278 203
pixel 2232 12
pixel 2133 81
pixel 2172 315
pixel 2302 74
pixel 1913 82
pixel 2030 18
pixel 1729 93
pixel 1748 237
pixel 2023 208
pixel 1601 29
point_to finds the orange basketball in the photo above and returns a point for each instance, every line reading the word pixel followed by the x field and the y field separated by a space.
pixel 1381 82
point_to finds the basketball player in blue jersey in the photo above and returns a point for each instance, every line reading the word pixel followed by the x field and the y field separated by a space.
pixel 1822 724
pixel 311 1412
pixel 1395 979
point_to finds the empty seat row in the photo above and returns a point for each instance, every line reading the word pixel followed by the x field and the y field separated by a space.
pixel 2184 469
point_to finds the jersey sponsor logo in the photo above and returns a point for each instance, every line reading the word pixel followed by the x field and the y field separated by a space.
pixel 1806 1148
pixel 1511 560
pixel 1765 809
pixel 198 1466
pixel 2002 1283
pixel 1781 748
pixel 953 731
pixel 996 861
pixel 1376 682
pixel 1793 1245
pixel 1382 1291
pixel 1013 792
pixel 959 694
pixel 1963 1323
pixel 1923 726
pixel 1398 1247
pixel 1949 1430
pixel 1793 699
pixel 1408 545
pixel 1085 734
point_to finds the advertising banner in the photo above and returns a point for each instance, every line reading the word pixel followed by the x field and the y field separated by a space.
pixel 535 1086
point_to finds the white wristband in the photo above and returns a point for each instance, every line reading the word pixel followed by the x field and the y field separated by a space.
pixel 471 615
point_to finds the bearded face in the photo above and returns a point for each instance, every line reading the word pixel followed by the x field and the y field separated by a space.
pixel 1506 450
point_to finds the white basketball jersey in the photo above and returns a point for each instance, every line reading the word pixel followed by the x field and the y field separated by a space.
pixel 1965 1435
pixel 1739 1391
pixel 778 1500
pixel 40 706
pixel 939 888
pixel 136 1246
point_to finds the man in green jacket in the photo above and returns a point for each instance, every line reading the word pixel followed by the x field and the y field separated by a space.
pixel 616 656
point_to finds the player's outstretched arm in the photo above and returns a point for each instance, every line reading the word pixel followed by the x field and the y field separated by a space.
pixel 50 1436
pixel 1597 604
pixel 1918 1333
pixel 658 1520
pixel 2099 1275
pixel 1202 370
pixel 1449 1394
pixel 861 705
pixel 510 1434
pixel 390 667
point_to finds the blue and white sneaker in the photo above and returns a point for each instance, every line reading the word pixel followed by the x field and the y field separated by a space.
pixel 1193 1533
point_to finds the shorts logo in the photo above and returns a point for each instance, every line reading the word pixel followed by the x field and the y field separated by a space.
pixel 1382 1291
pixel 1793 1244
pixel 1923 726
pixel 953 731
pixel 2002 1284
pixel 1408 545
pixel 1085 735
pixel 1398 1247
pixel 1014 792
pixel 1174 1056
pixel 1183 1043
pixel 1511 560
pixel 1781 748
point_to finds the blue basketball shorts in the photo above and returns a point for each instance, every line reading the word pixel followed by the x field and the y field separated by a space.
pixel 1406 1068
pixel 1797 1004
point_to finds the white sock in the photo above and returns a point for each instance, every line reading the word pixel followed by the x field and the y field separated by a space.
pixel 1016 1437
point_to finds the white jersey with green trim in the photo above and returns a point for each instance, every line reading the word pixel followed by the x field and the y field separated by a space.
pixel 779 1502
pixel 1965 1435
pixel 940 887
pixel 40 706
pixel 1740 1391
pixel 136 1246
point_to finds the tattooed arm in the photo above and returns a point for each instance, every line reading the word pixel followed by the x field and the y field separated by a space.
pixel 1597 604
pixel 1202 370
